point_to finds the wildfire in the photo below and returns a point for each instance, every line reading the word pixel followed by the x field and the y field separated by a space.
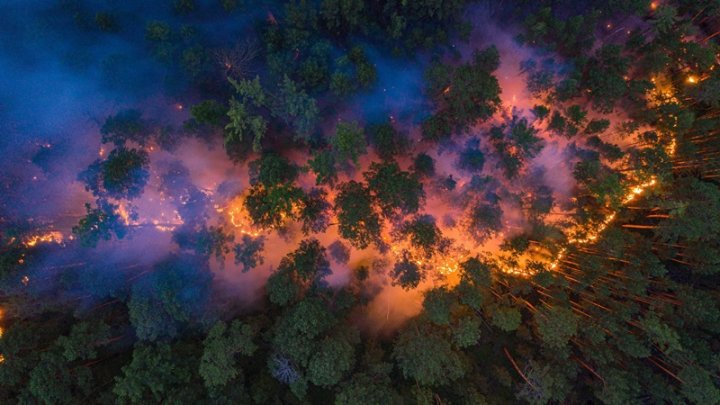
pixel 239 217
pixel 48 237
pixel 124 214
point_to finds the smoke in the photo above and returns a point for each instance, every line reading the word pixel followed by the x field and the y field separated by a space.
pixel 68 76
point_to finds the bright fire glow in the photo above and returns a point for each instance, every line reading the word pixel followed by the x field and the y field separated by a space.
pixel 239 217
pixel 48 237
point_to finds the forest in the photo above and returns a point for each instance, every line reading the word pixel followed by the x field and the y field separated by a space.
pixel 360 202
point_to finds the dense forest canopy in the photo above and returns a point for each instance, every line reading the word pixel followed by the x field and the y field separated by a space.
pixel 360 202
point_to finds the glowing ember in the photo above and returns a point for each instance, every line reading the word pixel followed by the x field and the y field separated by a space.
pixel 49 237
pixel 692 79
pixel 239 217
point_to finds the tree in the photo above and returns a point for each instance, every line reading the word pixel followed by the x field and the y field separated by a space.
pixel 314 212
pixel 693 206
pixel 170 297
pixel 698 385
pixel 464 94
pixel 50 381
pixel 122 175
pixel 334 358
pixel 424 165
pixel 366 389
pixel 342 16
pixel 99 224
pixel 605 78
pixel 358 221
pixel 323 165
pixel 204 241
pixel 294 106
pixel 271 170
pixel 407 273
pixel 484 220
pixel 387 141
pixel 426 356
pixel 664 19
pixel 281 288
pixel 248 252
pixel 437 305
pixel 217 364
pixel 556 326
pixel 423 234
pixel 123 127
pixel 466 331
pixel 348 142
pixel 516 143
pixel 270 207
pixel 507 319
pixel 155 374
pixel 308 261
pixel 83 340
pixel 471 159
pixel 394 189
pixel 297 332
pixel 244 125
pixel 209 112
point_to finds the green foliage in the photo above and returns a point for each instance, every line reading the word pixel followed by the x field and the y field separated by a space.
pixel 348 142
pixel 424 165
pixel 248 252
pixel 222 344
pixel 423 354
pixel 465 94
pixel 270 207
pixel 294 106
pixel 597 126
pixel 437 305
pixel 243 124
pixel 323 165
pixel 407 274
pixel 423 234
pixel 605 80
pixel 204 241
pixel 82 341
pixel 540 112
pixel 99 223
pixel 308 261
pixel 698 386
pixel 334 358
pixel 466 331
pixel 506 318
pixel 394 189
pixel 209 112
pixel 516 143
pixel 154 374
pixel 359 223
pixel 484 221
pixel 569 36
pixel 387 141
pixel 556 326
pixel 272 170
